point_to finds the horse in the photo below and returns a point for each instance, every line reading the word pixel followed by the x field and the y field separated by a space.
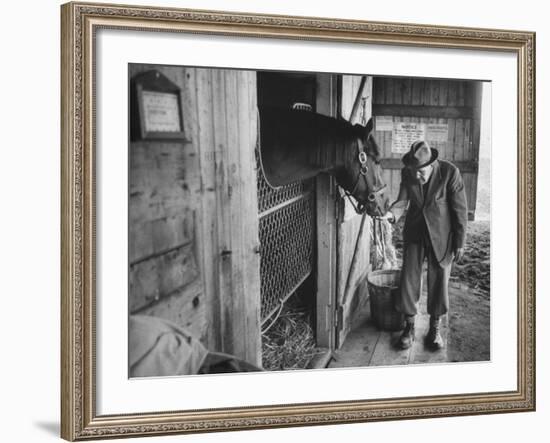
pixel 300 144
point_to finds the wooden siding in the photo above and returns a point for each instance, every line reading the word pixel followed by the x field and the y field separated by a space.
pixel 348 293
pixel 453 102
pixel 164 267
pixel 193 228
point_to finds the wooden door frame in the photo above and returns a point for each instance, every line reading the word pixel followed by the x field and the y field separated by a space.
pixel 327 228
pixel 352 229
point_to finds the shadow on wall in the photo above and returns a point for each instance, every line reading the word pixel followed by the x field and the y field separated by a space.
pixel 49 427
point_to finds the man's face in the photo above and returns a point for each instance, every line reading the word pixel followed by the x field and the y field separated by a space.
pixel 423 174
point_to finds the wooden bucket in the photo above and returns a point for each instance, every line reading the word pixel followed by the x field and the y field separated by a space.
pixel 383 286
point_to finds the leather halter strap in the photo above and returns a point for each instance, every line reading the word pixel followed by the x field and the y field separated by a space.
pixel 362 157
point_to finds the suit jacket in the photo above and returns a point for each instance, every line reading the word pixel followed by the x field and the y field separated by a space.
pixel 443 209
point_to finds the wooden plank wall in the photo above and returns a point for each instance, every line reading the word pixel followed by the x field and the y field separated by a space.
pixel 234 127
pixel 164 266
pixel 454 102
pixel 193 228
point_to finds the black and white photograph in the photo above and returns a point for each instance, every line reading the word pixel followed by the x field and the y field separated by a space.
pixel 284 221
pixel 275 221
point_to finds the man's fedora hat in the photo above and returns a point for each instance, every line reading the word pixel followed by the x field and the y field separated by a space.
pixel 420 155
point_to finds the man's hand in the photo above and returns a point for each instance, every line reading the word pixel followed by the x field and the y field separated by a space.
pixel 387 216
pixel 458 254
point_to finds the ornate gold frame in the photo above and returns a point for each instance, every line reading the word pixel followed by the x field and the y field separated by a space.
pixel 79 420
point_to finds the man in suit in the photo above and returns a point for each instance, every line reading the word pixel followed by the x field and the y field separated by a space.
pixel 432 192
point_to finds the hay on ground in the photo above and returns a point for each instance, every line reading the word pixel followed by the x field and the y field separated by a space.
pixel 289 343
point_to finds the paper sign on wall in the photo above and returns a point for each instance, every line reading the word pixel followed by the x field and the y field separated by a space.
pixel 161 111
pixel 437 132
pixel 404 134
pixel 383 123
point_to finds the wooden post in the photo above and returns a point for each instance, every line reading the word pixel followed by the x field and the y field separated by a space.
pixel 327 104
pixel 199 96
pixel 235 129
pixel 326 261
pixel 475 138
pixel 352 246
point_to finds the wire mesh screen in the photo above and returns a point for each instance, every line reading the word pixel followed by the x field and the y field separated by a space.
pixel 287 233
pixel 269 197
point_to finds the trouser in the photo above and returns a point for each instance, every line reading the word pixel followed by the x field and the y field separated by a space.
pixel 411 281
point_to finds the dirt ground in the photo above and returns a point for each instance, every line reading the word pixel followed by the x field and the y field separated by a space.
pixel 469 311
pixel 469 316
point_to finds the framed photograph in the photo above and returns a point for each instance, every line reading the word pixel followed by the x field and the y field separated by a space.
pixel 282 221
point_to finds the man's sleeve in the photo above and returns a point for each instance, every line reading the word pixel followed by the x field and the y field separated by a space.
pixel 459 208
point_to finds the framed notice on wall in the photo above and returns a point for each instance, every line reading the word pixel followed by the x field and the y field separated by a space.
pixel 158 107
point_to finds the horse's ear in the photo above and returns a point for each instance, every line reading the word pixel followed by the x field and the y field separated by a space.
pixel 369 127
pixel 363 131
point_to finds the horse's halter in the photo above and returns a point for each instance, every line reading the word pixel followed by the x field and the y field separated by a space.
pixel 361 206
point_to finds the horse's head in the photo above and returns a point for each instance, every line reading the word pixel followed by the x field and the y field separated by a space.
pixel 362 173
pixel 296 145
